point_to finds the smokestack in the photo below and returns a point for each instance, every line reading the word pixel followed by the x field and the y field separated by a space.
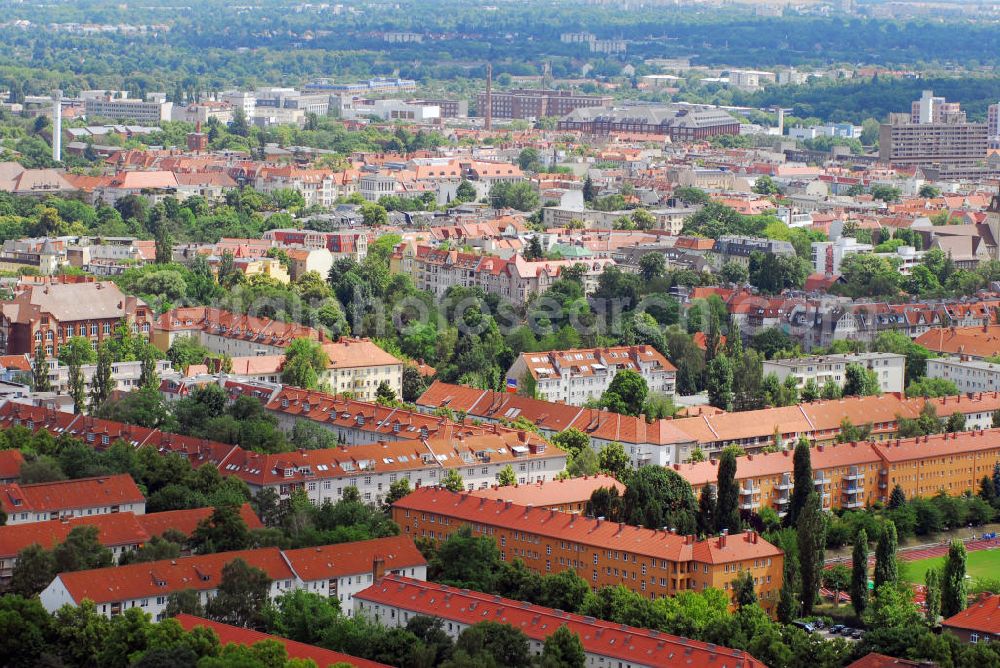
pixel 57 125
pixel 781 121
pixel 488 123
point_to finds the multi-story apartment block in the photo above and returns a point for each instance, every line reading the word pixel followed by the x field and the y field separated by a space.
pixel 567 495
pixel 342 571
pixel 66 499
pixel 118 106
pixel 581 375
pixel 45 256
pixel 536 103
pixel 376 85
pixel 331 571
pixel 827 256
pixel 750 79
pixel 993 125
pixel 357 367
pixel 341 244
pixel 889 367
pixel 845 476
pixel 935 131
pixel 969 375
pixel 739 249
pixel 148 585
pixel 228 333
pixel 923 466
pixel 449 108
pixel 119 532
pixel 515 279
pixel 48 314
pixel 125 375
pixel 318 187
pixel 652 562
pixel 679 123
pixel 393 601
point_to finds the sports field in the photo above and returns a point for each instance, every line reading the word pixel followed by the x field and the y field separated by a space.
pixel 979 564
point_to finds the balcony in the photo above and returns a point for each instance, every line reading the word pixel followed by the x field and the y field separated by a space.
pixel 855 474
pixel 785 484
pixel 782 501
pixel 853 504
pixel 749 505
pixel 822 481
pixel 750 490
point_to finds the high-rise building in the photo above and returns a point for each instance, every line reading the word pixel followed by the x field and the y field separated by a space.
pixel 993 125
pixel 934 132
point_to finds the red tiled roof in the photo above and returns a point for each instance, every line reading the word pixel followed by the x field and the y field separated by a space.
pixel 553 493
pixel 160 578
pixel 874 660
pixel 982 616
pixel 186 521
pixel 112 530
pixel 70 494
pixel 631 644
pixel 10 464
pixel 938 445
pixel 296 650
pixel 595 532
pixel 332 561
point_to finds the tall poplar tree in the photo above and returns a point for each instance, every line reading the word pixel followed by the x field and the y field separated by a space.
pixel 859 573
pixel 40 370
pixel 102 385
pixel 802 479
pixel 811 530
pixel 954 595
pixel 886 569
pixel 728 504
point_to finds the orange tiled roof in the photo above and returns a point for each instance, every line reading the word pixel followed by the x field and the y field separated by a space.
pixel 70 494
pixel 333 561
pixel 982 616
pixel 552 493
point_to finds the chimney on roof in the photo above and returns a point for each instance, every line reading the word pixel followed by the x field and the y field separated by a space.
pixel 378 568
pixel 722 539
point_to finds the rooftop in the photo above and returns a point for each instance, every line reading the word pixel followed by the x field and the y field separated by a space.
pixel 70 494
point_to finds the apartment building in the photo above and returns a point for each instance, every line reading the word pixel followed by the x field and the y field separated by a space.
pixel 679 123
pixel 935 131
pixel 993 125
pixel 48 314
pixel 478 456
pixel 974 343
pixel 343 570
pixel 318 187
pixel 740 248
pixel 652 562
pixel 237 635
pixel 65 499
pixel 118 106
pixel 125 375
pixel 827 256
pixel 228 333
pixel 341 244
pixel 119 532
pixel 148 585
pixel 583 374
pixel 658 443
pixel 969 375
pixel 845 476
pixel 515 279
pixel 393 601
pixel 532 104
pixel 357 367
pixel 978 623
pixel 954 463
pixel 566 495
pixel 888 367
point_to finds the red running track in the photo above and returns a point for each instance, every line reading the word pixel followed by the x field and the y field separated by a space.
pixel 929 551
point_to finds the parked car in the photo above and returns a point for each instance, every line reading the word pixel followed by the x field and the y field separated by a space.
pixel 857 634
pixel 819 624
pixel 836 628
pixel 846 631
pixel 805 626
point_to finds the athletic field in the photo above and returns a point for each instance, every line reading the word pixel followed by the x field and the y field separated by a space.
pixel 979 564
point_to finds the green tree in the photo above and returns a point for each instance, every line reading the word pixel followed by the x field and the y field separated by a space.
pixel 765 185
pixel 465 192
pixel 954 594
pixel 303 616
pixel 614 460
pixel 571 440
pixel 77 388
pixel 727 510
pixel 932 598
pixel 491 644
pixel 79 633
pixel 897 499
pixel 743 589
pixel 734 272
pixel 466 561
pixel 82 550
pixel 24 628
pixel 656 497
pixel 242 595
pixel 506 477
pixel 305 359
pixel 563 649
pixel 860 382
pixel 802 479
pixel 652 265
pixel 584 462
pixel 452 481
pixel 564 590
pixel 707 511
pixel 385 395
pixel 223 531
pixel 837 579
pixel 859 573
pixel 34 570
pixel 40 371
pixel 102 384
pixel 955 423
pixel 811 531
pixel 148 376
pixel 886 568
pixel 719 382
pixel 626 394
pixel 520 195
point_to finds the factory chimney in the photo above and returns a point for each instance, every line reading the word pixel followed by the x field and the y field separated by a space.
pixel 57 125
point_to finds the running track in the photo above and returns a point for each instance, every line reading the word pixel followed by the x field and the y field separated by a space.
pixel 928 551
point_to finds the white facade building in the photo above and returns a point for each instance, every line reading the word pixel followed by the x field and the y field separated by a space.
pixel 967 374
pixel 889 367
pixel 827 256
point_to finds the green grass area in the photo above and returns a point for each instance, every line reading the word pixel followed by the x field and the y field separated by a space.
pixel 980 564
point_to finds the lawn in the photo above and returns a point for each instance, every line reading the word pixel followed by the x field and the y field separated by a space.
pixel 980 564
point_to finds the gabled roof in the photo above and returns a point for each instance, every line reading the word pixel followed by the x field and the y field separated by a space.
pixel 229 635
pixel 113 530
pixel 332 561
pixel 70 494
pixel 554 492
pixel 186 521
pixel 635 645
pixel 10 464
pixel 982 616
pixel 161 578
pixel 654 543
pixel 874 660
